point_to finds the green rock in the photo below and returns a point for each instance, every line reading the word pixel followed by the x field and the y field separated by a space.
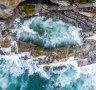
pixel 26 10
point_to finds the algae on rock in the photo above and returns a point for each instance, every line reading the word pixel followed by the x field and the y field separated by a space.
pixel 53 54
pixel 26 10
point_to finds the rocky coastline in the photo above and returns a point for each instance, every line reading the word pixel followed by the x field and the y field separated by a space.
pixel 84 55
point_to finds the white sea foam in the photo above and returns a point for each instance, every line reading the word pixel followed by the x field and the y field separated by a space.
pixel 15 64
pixel 17 60
pixel 47 32
pixel 67 76
pixel 7 50
pixel 26 29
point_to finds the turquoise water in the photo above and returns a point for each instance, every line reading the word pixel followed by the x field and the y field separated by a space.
pixel 47 32
pixel 17 74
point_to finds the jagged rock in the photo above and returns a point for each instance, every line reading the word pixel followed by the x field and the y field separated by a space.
pixel 91 59
pixel 86 55
pixel 41 59
pixel 1 52
pixel 14 47
pixel 2 25
pixel 78 20
pixel 82 62
pixel 54 68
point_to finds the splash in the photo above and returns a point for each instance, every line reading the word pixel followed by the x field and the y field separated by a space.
pixel 19 74
pixel 47 32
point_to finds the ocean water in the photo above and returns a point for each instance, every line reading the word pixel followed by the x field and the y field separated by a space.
pixel 19 74
pixel 47 32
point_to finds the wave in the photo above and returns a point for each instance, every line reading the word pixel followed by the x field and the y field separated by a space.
pixel 19 74
pixel 47 32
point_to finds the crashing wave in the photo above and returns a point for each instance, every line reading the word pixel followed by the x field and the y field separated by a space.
pixel 19 74
pixel 47 32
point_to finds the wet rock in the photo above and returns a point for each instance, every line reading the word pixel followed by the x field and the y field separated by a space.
pixel 14 47
pixel 5 41
pixel 82 62
pixel 90 59
pixel 6 51
pixel 54 68
pixel 1 52
pixel 2 25
pixel 58 68
pixel 41 59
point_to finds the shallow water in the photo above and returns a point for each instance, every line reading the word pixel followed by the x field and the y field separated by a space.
pixel 16 74
pixel 47 32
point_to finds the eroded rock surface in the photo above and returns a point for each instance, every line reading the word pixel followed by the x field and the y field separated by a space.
pixel 7 7
pixel 5 13
pixel 79 20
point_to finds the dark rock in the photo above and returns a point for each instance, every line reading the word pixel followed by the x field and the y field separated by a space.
pixel 57 68
pixel 82 62
pixel 79 20
pixel 1 52
pixel 3 6
pixel 54 68
pixel 41 59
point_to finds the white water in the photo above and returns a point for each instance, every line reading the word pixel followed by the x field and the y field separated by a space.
pixel 70 77
pixel 47 32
